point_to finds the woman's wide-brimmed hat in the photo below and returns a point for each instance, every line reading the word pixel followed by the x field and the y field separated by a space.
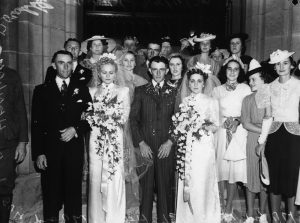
pixel 84 43
pixel 279 55
pixel 96 38
pixel 204 37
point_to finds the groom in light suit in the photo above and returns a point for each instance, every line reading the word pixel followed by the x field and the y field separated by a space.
pixel 150 121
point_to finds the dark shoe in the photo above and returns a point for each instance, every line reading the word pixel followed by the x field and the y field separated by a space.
pixel 5 207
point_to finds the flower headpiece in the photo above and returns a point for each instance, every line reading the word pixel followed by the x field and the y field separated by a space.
pixel 107 58
pixel 279 55
pixel 235 58
pixel 205 68
pixel 204 37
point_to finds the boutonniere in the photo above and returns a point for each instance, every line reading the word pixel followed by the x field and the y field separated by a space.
pixel 81 71
pixel 76 91
pixel 168 91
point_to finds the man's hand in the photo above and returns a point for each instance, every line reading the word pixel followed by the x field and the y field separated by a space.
pixel 41 162
pixel 20 152
pixel 67 134
pixel 164 149
pixel 146 151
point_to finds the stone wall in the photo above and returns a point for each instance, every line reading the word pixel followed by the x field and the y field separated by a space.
pixel 271 25
pixel 30 36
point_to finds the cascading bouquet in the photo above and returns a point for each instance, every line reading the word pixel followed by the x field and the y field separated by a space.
pixel 189 125
pixel 107 114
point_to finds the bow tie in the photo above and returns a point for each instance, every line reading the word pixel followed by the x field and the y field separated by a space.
pixel 231 87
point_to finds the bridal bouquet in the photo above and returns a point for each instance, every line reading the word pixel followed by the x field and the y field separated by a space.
pixel 189 125
pixel 107 114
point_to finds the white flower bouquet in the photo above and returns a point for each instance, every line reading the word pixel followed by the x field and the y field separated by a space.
pixel 188 126
pixel 107 114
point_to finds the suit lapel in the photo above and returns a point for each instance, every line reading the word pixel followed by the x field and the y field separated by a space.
pixel 54 89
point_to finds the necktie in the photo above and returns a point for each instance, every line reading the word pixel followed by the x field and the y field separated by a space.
pixel 157 88
pixel 64 88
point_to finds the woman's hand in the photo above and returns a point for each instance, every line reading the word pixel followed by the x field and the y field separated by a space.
pixel 231 124
pixel 211 128
pixel 259 148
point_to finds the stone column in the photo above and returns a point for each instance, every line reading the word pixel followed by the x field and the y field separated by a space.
pixel 272 25
pixel 31 39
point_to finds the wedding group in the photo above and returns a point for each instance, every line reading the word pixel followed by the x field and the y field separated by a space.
pixel 175 130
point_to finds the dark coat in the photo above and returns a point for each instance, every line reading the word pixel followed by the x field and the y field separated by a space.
pixel 52 112
pixel 151 115
pixel 13 116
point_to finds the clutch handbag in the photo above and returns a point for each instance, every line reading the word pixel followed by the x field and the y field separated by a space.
pixel 264 169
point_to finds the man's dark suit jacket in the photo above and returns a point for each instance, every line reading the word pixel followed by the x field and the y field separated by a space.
pixel 151 115
pixel 51 112
pixel 80 74
pixel 13 117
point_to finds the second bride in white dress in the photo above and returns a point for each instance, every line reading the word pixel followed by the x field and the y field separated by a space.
pixel 110 111
pixel 198 196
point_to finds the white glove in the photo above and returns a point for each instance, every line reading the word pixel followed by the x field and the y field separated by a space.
pixel 266 126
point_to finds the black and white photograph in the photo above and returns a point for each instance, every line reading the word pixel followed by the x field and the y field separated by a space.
pixel 150 111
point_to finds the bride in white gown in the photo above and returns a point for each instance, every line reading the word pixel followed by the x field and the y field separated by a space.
pixel 198 196
pixel 106 203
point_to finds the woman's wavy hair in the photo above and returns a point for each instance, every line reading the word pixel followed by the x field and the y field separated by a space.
pixel 192 71
pixel 222 74
pixel 184 67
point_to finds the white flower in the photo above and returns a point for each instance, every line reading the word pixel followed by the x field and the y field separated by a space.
pixel 108 55
pixel 81 71
pixel 76 91
pixel 204 67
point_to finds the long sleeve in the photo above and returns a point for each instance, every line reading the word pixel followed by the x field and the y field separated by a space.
pixel 126 102
pixel 37 126
pixel 20 110
pixel 82 126
pixel 135 117
pixel 215 112
pixel 245 114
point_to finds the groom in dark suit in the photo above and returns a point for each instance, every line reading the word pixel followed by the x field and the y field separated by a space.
pixel 57 139
pixel 150 120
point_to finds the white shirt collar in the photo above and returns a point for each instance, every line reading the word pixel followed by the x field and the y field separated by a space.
pixel 59 81
pixel 75 63
pixel 161 84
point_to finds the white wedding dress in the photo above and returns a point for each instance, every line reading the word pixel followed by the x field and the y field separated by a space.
pixel 109 206
pixel 204 194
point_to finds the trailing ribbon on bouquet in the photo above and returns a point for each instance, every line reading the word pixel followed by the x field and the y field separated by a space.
pixel 187 171
pixel 104 181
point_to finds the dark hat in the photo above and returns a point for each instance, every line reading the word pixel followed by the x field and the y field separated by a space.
pixel 242 36
pixel 166 39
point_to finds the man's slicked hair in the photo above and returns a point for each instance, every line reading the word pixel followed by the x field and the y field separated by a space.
pixel 64 52
pixel 159 59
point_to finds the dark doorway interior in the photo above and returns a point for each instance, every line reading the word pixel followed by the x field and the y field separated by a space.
pixel 152 19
